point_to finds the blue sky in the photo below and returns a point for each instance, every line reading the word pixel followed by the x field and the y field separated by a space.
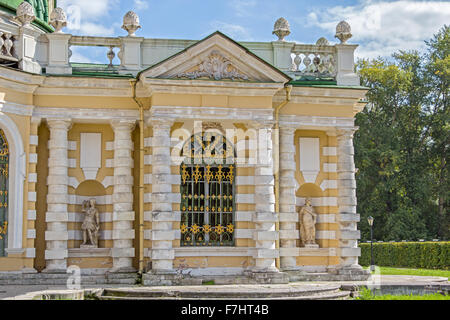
pixel 380 27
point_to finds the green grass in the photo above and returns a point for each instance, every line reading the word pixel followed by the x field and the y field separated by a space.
pixel 414 272
pixel 366 294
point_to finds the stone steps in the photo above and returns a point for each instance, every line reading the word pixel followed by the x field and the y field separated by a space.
pixel 242 292
pixel 343 295
pixel 62 278
pixel 295 276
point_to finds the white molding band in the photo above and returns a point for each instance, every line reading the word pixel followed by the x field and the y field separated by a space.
pixel 330 167
pixel 17 169
pixel 87 115
pixel 245 198
pixel 315 122
pixel 100 200
pixel 34 140
pixel 212 252
pixel 72 145
pixel 32 177
pixel 206 113
pixel 329 151
pixel 31 215
pixel 32 158
pixel 16 108
pixel 319 202
pixel 79 217
pixel 328 184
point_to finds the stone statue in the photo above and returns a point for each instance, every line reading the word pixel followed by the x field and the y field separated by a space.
pixel 308 219
pixel 91 224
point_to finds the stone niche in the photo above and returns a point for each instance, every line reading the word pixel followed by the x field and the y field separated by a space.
pixel 323 252
pixel 314 193
pixel 91 256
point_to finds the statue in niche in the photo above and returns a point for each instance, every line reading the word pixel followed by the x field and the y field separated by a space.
pixel 91 224
pixel 308 219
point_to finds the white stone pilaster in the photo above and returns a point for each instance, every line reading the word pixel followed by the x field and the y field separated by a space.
pixel 265 218
pixel 123 215
pixel 56 235
pixel 288 214
pixel 162 252
pixel 348 217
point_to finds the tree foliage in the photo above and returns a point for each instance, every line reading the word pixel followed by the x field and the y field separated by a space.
pixel 402 145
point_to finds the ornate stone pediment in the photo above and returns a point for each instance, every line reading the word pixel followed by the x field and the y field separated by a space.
pixel 216 57
pixel 216 67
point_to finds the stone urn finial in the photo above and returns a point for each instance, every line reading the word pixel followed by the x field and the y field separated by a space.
pixel 343 32
pixel 25 14
pixel 281 29
pixel 131 23
pixel 58 19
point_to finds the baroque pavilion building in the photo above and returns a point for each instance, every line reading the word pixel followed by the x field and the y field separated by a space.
pixel 184 160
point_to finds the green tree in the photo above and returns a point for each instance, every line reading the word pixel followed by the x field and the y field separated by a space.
pixel 401 148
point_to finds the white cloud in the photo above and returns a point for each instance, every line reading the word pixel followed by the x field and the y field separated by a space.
pixel 141 4
pixel 382 27
pixel 234 31
pixel 94 29
pixel 85 16
pixel 243 8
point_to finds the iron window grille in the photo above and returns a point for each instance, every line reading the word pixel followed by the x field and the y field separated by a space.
pixel 207 192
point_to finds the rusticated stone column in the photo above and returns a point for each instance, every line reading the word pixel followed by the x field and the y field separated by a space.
pixel 162 253
pixel 265 234
pixel 288 214
pixel 348 218
pixel 123 214
pixel 56 236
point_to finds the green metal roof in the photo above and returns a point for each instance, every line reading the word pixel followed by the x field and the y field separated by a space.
pixel 41 10
pixel 94 70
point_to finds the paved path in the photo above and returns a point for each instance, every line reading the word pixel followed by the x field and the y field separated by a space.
pixel 12 291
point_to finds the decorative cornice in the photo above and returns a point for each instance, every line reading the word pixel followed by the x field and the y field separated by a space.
pixel 328 95
pixel 315 122
pixel 16 108
pixel 87 115
pixel 199 86
pixel 209 113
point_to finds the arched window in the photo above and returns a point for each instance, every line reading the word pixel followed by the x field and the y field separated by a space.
pixel 4 172
pixel 207 191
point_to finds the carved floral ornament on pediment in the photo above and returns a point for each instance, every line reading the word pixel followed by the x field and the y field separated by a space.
pixel 216 67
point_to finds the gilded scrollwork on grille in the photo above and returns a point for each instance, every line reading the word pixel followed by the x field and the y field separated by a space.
pixel 208 175
pixel 3 229
pixel 184 174
pixel 197 175
pixel 207 202
pixel 196 235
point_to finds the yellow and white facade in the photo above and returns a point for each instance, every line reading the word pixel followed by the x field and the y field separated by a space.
pixel 121 134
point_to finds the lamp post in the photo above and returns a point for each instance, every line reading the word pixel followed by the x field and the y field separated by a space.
pixel 370 220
